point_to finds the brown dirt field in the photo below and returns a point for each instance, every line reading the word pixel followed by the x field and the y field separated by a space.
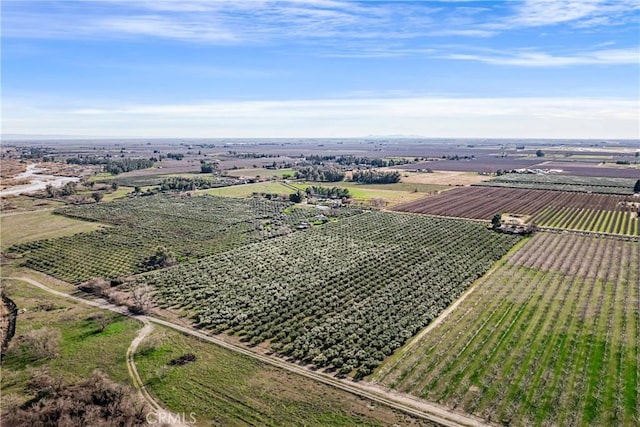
pixel 11 167
pixel 10 182
pixel 63 169
pixel 482 203
pixel 443 177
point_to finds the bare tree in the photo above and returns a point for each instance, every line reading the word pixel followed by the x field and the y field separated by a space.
pixel 101 320
pixel 96 286
pixel 95 401
pixel 140 299
pixel 378 202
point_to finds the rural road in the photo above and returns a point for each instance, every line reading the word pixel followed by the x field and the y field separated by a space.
pixel 399 401
pixel 159 412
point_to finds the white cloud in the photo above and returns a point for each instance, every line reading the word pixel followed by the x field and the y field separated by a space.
pixel 429 116
pixel 581 12
pixel 220 21
pixel 529 58
pixel 326 27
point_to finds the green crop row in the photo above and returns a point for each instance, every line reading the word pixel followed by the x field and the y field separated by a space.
pixel 549 337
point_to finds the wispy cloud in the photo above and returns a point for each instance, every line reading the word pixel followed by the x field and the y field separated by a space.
pixel 252 21
pixel 221 21
pixel 334 28
pixel 536 13
pixel 531 58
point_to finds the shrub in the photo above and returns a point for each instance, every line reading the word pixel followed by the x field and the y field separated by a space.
pixel 40 344
pixel 96 401
pixel 183 360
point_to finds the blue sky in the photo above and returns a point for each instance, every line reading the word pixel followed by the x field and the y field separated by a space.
pixel 321 68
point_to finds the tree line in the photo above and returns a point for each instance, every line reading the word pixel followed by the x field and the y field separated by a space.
pixel 331 193
pixel 114 167
pixel 354 160
pixel 312 173
pixel 375 177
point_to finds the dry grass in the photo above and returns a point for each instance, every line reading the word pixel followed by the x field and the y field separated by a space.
pixel 443 178
pixel 11 167
pixel 30 226
pixel 63 169
pixel 259 172
pixel 12 204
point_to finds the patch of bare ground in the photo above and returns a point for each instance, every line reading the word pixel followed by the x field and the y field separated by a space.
pixel 10 182
pixel 63 169
pixel 443 177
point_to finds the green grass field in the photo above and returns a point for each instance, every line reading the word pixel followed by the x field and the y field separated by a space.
pixel 120 193
pixel 225 388
pixel 246 190
pixel 392 193
pixel 594 220
pixel 83 346
pixel 549 337
pixel 30 226
pixel 405 186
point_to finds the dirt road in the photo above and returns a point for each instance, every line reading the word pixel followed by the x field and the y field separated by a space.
pixel 159 413
pixel 399 401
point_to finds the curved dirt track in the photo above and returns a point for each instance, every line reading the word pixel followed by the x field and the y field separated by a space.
pixel 399 401
pixel 159 412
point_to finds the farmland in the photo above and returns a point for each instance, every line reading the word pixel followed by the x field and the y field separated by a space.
pixel 246 190
pixel 540 330
pixel 29 226
pixel 191 227
pixel 549 337
pixel 564 183
pixel 546 208
pixel 225 388
pixel 482 163
pixel 387 194
pixel 81 347
pixel 592 170
pixel 343 296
